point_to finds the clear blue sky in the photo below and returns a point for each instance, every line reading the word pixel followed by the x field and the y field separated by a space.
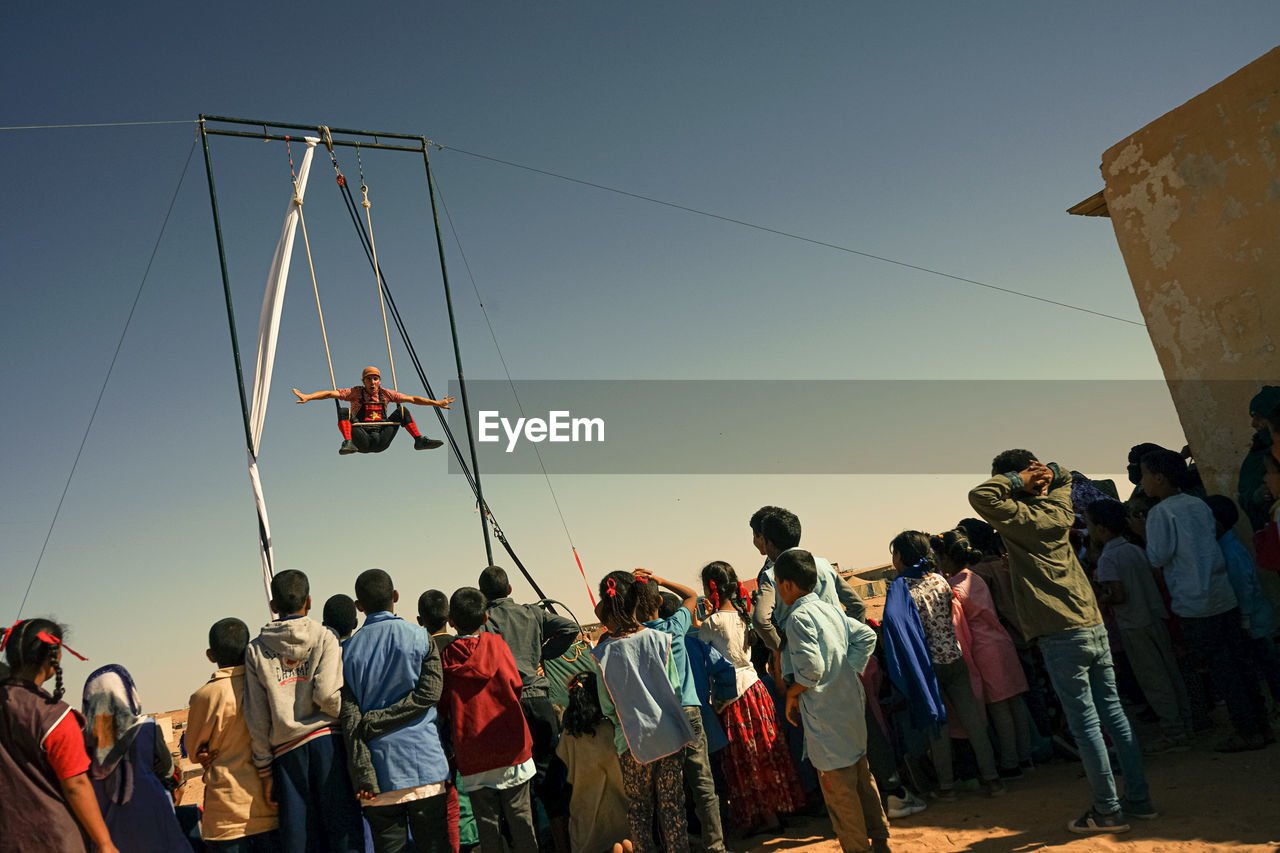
pixel 947 136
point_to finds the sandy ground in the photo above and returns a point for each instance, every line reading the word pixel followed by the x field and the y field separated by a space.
pixel 1207 802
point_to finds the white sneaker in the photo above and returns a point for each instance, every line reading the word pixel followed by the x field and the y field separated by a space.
pixel 896 807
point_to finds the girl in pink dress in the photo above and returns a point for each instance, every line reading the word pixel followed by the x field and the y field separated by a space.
pixel 994 657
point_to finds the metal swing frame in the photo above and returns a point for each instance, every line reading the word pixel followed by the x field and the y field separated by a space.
pixel 352 138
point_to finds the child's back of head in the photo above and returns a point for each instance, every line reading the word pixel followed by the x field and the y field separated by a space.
pixel 467 610
pixel 583 713
pixel 290 592
pixel 433 610
pixel 1111 515
pixel 670 604
pixel 798 567
pixel 375 591
pixel 1224 512
pixel 340 615
pixel 228 638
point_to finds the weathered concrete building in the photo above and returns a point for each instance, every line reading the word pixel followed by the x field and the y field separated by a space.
pixel 1194 198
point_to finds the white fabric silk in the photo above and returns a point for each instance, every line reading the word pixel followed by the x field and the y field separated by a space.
pixel 268 333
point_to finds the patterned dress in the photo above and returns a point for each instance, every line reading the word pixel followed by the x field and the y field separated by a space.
pixel 759 774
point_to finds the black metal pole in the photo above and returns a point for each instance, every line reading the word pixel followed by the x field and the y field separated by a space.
pixel 457 357
pixel 226 289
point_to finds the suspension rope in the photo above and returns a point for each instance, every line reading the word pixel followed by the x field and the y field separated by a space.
pixel 511 383
pixel 106 379
pixel 315 288
pixel 377 270
pixel 787 234
pixel 483 506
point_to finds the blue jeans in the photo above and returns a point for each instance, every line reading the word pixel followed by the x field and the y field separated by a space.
pixel 1080 668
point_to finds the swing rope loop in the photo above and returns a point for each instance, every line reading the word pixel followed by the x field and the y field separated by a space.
pixel 377 270
pixel 328 138
pixel 315 288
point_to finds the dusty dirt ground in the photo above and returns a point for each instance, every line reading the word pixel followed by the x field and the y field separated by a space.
pixel 1206 801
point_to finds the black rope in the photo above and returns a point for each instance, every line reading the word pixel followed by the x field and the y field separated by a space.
pixel 482 505
pixel 111 366
pixel 788 234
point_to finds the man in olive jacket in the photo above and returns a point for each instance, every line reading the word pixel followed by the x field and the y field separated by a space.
pixel 1029 505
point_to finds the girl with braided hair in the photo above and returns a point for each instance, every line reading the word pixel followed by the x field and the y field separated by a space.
pixel 597 812
pixel 46 799
pixel 641 696
pixel 759 773
pixel 994 657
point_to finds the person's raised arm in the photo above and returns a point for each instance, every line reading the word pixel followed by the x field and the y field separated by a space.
pixel 427 401
pixel 995 503
pixel 689 598
pixel 318 395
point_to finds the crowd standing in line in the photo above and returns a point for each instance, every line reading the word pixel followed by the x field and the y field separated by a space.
pixel 1006 641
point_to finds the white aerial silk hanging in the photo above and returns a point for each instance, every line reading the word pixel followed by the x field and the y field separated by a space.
pixel 268 332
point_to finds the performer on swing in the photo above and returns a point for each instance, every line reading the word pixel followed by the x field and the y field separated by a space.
pixel 369 400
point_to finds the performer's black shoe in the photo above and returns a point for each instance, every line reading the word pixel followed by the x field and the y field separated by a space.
pixel 347 447
pixel 424 443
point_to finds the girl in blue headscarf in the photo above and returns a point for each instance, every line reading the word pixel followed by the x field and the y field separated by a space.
pixel 132 770
pixel 925 660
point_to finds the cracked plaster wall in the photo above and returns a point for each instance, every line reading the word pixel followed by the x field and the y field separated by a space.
pixel 1194 198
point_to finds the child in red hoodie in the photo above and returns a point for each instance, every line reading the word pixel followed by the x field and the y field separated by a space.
pixel 480 707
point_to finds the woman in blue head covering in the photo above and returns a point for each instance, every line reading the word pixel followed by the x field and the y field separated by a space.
pixel 132 770
pixel 926 663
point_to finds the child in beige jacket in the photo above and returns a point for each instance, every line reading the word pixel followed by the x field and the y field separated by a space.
pixel 237 815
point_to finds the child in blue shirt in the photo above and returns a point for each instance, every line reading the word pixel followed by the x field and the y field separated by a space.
pixel 828 651
pixel 641 695
pixel 697 764
pixel 1256 614
pixel 391 663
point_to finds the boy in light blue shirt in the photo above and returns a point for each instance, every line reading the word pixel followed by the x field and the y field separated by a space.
pixel 828 651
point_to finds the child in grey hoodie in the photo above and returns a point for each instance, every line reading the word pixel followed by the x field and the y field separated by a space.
pixel 293 683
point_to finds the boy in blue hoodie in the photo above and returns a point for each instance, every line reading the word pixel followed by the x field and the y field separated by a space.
pixel 393 682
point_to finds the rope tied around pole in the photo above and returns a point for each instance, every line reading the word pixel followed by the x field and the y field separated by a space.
pixel 327 137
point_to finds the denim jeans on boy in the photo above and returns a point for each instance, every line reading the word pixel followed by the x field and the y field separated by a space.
pixel 1079 664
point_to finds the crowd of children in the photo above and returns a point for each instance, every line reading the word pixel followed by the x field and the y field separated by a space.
pixel 1021 632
